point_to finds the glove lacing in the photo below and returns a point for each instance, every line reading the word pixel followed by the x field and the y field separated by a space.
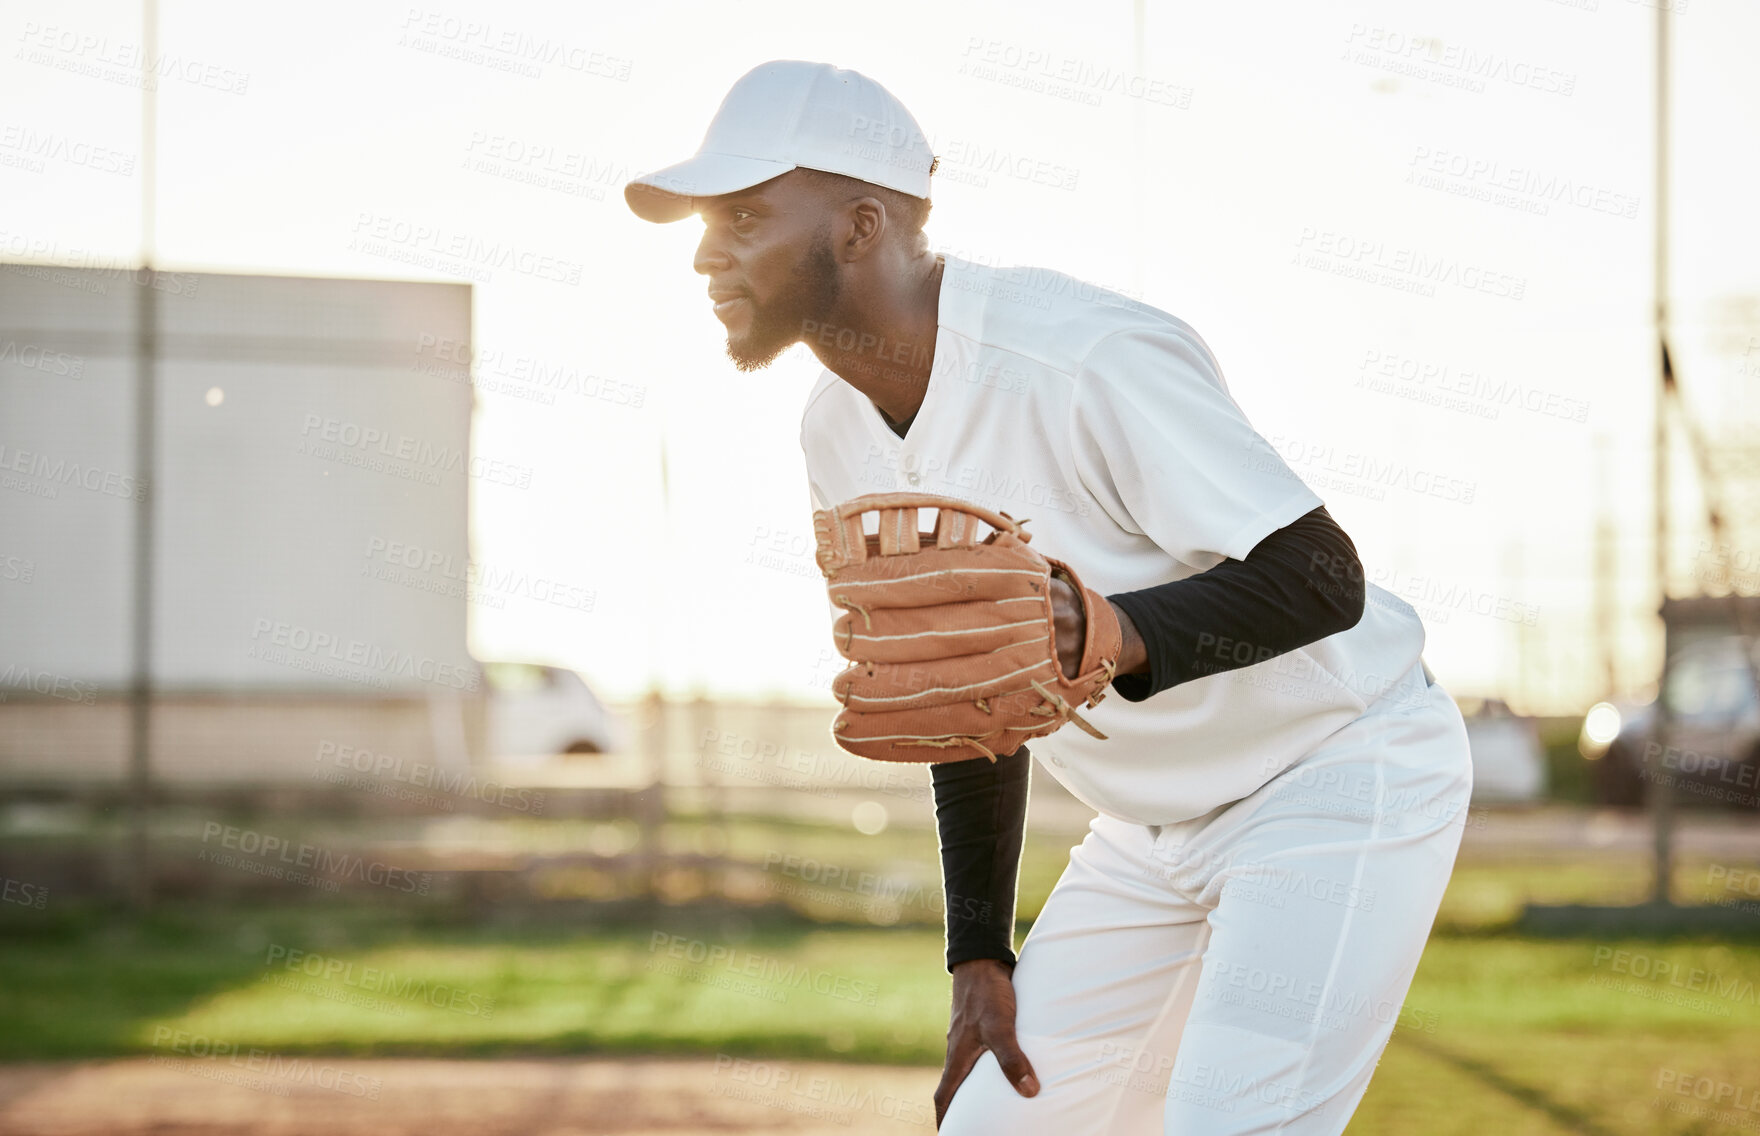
pixel 1055 705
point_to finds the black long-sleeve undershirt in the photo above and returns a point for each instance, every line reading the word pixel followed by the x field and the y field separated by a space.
pixel 1298 585
pixel 981 817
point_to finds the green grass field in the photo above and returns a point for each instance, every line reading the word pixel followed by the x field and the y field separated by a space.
pixel 1502 1032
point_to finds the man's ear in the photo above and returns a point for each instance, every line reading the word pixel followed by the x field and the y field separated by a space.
pixel 867 227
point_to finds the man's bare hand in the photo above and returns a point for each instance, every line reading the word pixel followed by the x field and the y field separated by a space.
pixel 1071 624
pixel 983 1018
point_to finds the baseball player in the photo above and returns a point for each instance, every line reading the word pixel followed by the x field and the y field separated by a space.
pixel 1280 784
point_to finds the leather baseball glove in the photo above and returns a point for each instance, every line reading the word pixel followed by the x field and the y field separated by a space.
pixel 951 638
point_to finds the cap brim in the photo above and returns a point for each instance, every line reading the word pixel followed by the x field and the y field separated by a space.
pixel 665 195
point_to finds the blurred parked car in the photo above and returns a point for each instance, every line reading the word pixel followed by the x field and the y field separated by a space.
pixel 1714 734
pixel 1509 763
pixel 537 711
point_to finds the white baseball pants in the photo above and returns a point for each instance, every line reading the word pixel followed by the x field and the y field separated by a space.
pixel 1240 972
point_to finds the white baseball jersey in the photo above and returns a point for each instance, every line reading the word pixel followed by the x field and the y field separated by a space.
pixel 1106 424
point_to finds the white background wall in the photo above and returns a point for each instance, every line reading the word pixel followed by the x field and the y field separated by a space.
pixel 266 528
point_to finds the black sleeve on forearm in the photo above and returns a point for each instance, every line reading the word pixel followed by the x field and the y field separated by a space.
pixel 1298 585
pixel 981 819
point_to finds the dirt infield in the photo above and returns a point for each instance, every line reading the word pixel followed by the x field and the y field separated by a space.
pixel 342 1096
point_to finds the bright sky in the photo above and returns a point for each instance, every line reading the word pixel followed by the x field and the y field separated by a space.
pixel 1276 143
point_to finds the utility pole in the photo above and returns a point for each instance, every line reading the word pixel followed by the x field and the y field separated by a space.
pixel 146 407
pixel 1139 58
pixel 651 803
pixel 1661 787
pixel 1606 569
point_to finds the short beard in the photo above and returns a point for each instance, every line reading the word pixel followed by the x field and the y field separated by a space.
pixel 781 323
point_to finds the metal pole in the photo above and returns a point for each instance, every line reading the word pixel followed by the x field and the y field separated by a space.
pixel 1139 57
pixel 1605 568
pixel 1661 787
pixel 652 804
pixel 140 869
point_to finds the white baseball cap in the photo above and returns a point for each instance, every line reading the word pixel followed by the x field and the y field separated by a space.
pixel 787 114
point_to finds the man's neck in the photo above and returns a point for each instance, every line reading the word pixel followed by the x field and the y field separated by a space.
pixel 899 428
pixel 889 352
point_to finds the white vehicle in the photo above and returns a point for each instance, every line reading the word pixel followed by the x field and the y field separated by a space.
pixel 1509 764
pixel 537 711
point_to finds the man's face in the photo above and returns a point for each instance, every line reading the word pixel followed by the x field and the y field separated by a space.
pixel 767 254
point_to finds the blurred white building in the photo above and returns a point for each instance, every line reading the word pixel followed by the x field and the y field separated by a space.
pixel 312 558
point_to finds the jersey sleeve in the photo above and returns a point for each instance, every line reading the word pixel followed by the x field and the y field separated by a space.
pixel 1162 447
